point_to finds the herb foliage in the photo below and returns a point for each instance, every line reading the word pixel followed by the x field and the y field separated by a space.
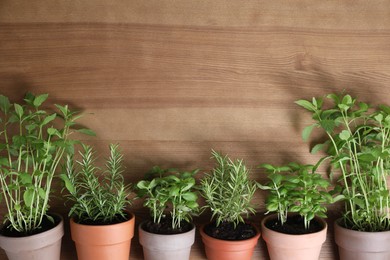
pixel 97 197
pixel 358 146
pixel 296 188
pixel 170 193
pixel 228 191
pixel 33 142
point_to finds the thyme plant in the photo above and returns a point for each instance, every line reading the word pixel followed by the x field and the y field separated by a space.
pixel 228 191
pixel 296 188
pixel 357 145
pixel 170 193
pixel 97 197
pixel 33 141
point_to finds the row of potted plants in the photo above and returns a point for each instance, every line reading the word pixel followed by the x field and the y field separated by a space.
pixel 356 147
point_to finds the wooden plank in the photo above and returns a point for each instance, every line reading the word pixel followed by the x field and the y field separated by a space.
pixel 342 14
pixel 169 80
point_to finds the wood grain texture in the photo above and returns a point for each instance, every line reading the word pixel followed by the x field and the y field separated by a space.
pixel 170 80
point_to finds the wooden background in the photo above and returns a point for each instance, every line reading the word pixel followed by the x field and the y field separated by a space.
pixel 169 80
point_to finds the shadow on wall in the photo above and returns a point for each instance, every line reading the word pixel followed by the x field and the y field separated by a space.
pixel 15 86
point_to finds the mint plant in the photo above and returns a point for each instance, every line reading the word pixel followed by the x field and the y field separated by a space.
pixel 170 193
pixel 357 146
pixel 296 188
pixel 33 142
pixel 98 196
pixel 228 191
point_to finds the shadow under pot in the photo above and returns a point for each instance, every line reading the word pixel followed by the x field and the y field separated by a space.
pixel 302 246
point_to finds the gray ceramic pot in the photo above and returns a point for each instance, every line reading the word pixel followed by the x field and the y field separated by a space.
pixel 358 245
pixel 166 247
pixel 42 246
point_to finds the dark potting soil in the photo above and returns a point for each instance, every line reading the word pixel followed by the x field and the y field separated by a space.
pixel 165 227
pixel 227 231
pixel 45 226
pixel 118 219
pixel 294 225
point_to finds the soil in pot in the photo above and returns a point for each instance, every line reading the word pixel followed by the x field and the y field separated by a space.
pixel 294 225
pixel 227 231
pixel 165 227
pixel 46 225
pixel 118 219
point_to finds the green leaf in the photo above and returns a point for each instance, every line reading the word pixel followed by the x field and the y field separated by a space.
pixel 276 178
pixel 25 178
pixel 4 161
pixel 385 108
pixel 272 207
pixel 4 104
pixel 267 166
pixel 334 97
pixel 53 131
pixel 48 119
pixel 295 208
pixel 143 185
pixel 379 118
pixel 359 202
pixel 64 109
pixel 307 132
pixel 19 110
pixel 344 135
pixel 263 187
pixel 347 100
pixel 367 157
pixel 190 196
pixel 68 184
pixel 328 125
pixel 338 198
pixel 28 197
pixel 40 99
pixel 343 107
pixel 50 218
pixel 316 148
pixel 174 191
pixel 41 193
pixel 86 131
pixel 306 104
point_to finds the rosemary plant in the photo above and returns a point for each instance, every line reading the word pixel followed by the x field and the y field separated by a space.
pixel 358 147
pixel 170 193
pixel 228 191
pixel 32 145
pixel 98 197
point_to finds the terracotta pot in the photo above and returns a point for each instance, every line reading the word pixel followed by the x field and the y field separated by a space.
pixel 42 246
pixel 295 247
pixel 358 245
pixel 103 242
pixel 166 247
pixel 217 249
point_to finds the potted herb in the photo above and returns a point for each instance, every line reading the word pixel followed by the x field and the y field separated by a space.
pixel 297 194
pixel 171 197
pixel 228 193
pixel 357 147
pixel 33 144
pixel 101 226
